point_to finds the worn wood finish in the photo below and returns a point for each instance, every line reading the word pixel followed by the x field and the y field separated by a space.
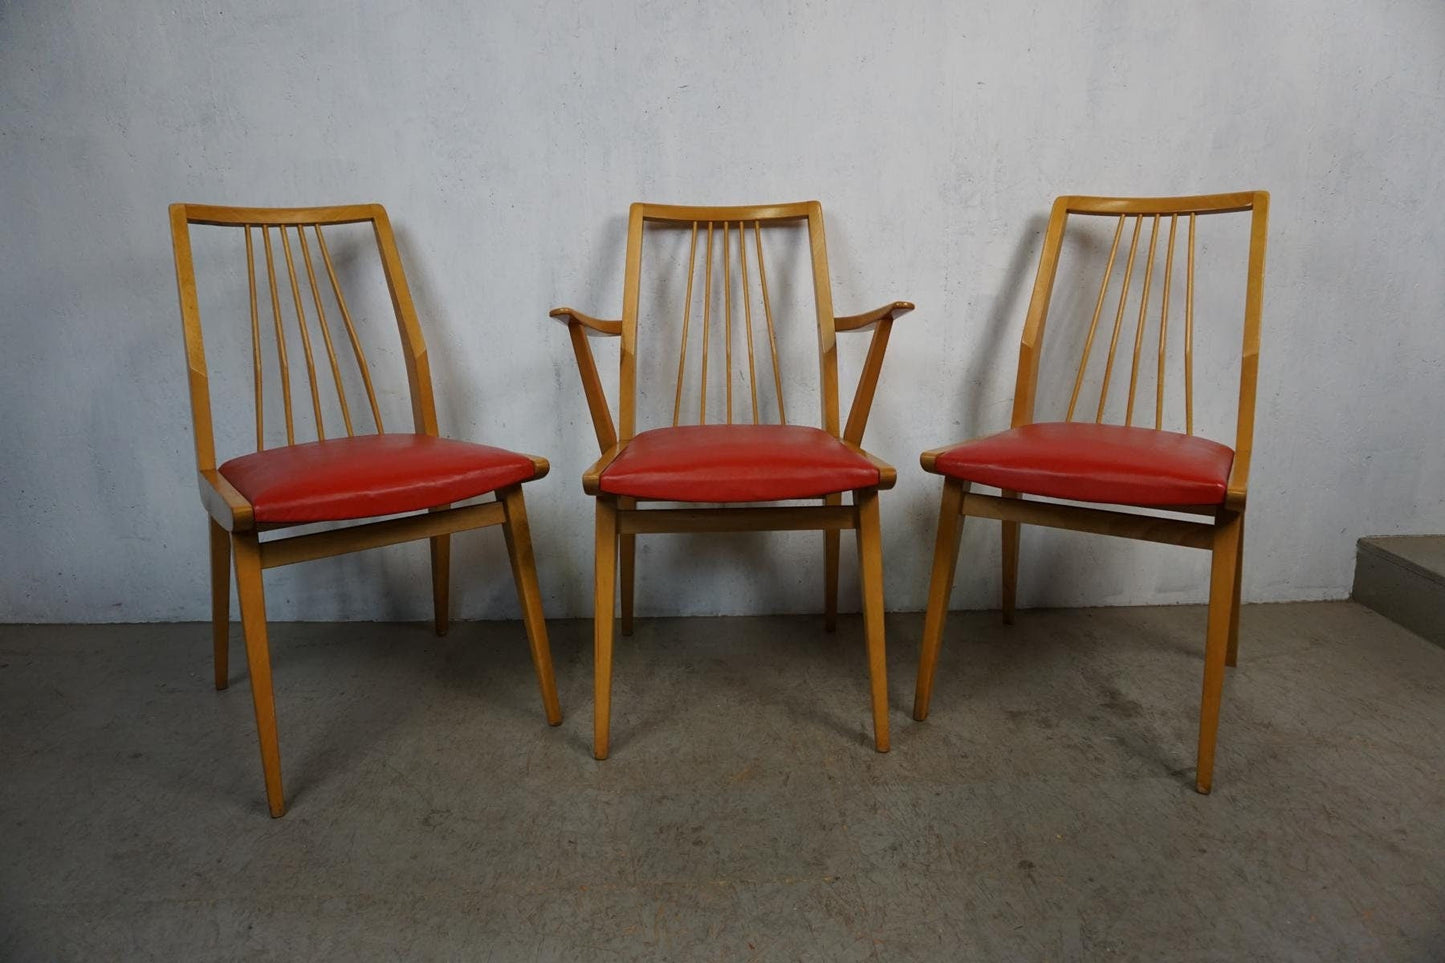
pixel 1223 533
pixel 603 599
pixel 221 603
pixel 870 578
pixel 940 586
pixel 251 593
pixel 235 535
pixel 711 232
pixel 518 535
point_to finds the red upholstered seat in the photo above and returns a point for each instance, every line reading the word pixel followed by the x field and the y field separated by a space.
pixel 370 475
pixel 736 463
pixel 1086 462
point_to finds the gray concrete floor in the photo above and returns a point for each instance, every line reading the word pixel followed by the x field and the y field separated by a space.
pixel 1045 811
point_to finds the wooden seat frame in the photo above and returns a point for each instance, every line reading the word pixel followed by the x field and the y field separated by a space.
pixel 233 527
pixel 620 520
pixel 1222 535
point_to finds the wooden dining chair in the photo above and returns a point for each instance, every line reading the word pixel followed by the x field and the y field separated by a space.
pixel 735 463
pixel 354 473
pixel 1143 470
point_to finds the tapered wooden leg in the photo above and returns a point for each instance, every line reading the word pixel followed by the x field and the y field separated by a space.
pixel 1221 595
pixel 441 568
pixel 628 551
pixel 870 577
pixel 830 571
pixel 1232 657
pixel 603 601
pixel 940 586
pixel 252 596
pixel 529 594
pixel 1010 565
pixel 221 603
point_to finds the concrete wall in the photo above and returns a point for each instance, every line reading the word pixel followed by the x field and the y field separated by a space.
pixel 507 140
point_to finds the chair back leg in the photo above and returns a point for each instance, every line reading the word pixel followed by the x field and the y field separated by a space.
pixel 940 587
pixel 529 595
pixel 603 601
pixel 441 580
pixel 252 596
pixel 870 577
pixel 830 571
pixel 221 603
pixel 1225 560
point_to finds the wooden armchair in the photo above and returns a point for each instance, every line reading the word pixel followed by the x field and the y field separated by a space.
pixel 413 473
pixel 1128 465
pixel 733 464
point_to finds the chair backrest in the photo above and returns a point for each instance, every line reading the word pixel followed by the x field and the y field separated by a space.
pixel 1170 223
pixel 728 234
pixel 276 305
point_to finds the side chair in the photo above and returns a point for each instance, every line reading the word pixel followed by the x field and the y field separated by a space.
pixel 414 476
pixel 733 465
pixel 1038 466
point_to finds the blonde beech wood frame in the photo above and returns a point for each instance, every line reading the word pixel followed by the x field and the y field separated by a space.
pixel 1223 533
pixel 234 530
pixel 620 520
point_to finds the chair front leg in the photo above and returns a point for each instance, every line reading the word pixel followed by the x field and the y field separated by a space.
pixel 529 595
pixel 1225 560
pixel 252 596
pixel 603 600
pixel 441 568
pixel 830 570
pixel 1010 566
pixel 221 603
pixel 870 572
pixel 940 586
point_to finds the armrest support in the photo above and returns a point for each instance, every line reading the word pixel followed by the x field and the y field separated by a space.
pixel 578 324
pixel 223 503
pixel 872 364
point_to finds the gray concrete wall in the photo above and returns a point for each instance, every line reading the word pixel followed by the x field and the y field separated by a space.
pixel 507 140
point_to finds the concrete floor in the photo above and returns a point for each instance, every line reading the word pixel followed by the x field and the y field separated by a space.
pixel 1044 812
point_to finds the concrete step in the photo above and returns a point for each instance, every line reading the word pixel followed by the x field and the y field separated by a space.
pixel 1403 578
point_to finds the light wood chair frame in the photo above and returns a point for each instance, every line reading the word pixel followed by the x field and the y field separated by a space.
pixel 1222 534
pixel 619 520
pixel 234 531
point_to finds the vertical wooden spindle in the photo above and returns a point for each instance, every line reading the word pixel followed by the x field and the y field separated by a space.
pixel 325 330
pixel 706 321
pixel 1094 322
pixel 280 335
pixel 1189 335
pixel 768 314
pixel 727 324
pixel 255 340
pixel 748 314
pixel 1119 316
pixel 1143 314
pixel 350 330
pixel 305 334
pixel 1164 321
pixel 686 317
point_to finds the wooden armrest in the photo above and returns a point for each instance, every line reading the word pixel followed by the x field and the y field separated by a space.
pixel 223 503
pixel 571 316
pixel 872 364
pixel 887 474
pixel 592 477
pixel 854 322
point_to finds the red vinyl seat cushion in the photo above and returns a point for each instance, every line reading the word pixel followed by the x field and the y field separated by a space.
pixel 1086 462
pixel 736 463
pixel 370 475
